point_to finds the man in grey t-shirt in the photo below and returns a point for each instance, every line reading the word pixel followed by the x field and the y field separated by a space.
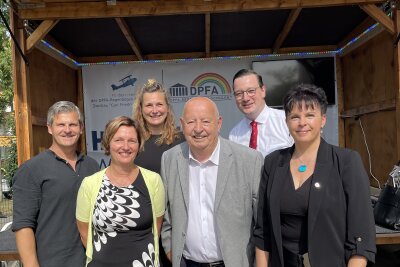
pixel 45 189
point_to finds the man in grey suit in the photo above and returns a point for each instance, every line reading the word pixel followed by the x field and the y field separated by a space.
pixel 211 193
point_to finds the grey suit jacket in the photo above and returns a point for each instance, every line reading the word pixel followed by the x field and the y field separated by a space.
pixel 235 207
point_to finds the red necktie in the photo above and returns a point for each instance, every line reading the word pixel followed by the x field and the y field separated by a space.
pixel 253 137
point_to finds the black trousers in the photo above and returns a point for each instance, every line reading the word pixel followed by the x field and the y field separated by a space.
pixel 292 259
pixel 189 263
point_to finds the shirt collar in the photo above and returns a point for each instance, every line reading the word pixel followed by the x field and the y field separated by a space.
pixel 214 158
pixel 79 156
pixel 262 117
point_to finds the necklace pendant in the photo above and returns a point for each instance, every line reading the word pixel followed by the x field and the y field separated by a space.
pixel 302 168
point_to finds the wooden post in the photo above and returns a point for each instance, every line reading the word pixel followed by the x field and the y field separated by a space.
pixel 81 106
pixel 397 80
pixel 22 101
pixel 340 102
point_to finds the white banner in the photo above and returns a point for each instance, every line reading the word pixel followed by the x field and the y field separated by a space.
pixel 109 91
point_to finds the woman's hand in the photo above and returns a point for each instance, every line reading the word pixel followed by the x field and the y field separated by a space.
pixel 261 258
pixel 357 261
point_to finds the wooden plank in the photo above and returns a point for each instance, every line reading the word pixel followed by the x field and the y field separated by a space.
pixel 88 60
pixel 376 107
pixel 362 40
pixel 9 256
pixel 120 58
pixel 207 33
pixel 300 49
pixel 54 54
pixel 39 121
pixel 227 53
pixel 368 22
pixel 39 33
pixel 397 82
pixel 53 42
pixel 387 239
pixel 129 37
pixel 81 105
pixel 77 10
pixel 379 16
pixel 340 102
pixel 21 94
pixel 294 14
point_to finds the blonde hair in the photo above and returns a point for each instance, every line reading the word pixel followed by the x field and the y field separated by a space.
pixel 169 133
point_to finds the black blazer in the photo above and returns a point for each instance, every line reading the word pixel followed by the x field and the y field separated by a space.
pixel 340 218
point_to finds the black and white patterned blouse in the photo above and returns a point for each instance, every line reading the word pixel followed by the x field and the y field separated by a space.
pixel 122 226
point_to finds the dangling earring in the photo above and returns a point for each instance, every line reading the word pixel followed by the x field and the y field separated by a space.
pixel 322 130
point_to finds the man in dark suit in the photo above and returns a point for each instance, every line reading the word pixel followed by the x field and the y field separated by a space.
pixel 211 193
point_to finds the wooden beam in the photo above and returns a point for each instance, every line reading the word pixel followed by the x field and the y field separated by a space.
pixel 84 60
pixel 239 53
pixel 207 33
pixel 300 49
pixel 376 107
pixel 379 16
pixel 54 43
pixel 340 100
pixel 386 239
pixel 39 33
pixel 227 53
pixel 39 121
pixel 56 55
pixel 81 105
pixel 79 10
pixel 294 13
pixel 22 100
pixel 368 22
pixel 397 81
pixel 129 37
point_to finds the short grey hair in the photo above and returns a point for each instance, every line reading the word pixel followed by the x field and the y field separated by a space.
pixel 63 107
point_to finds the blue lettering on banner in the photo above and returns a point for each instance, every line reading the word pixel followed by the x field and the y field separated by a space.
pixel 96 140
pixel 103 163
pixel 204 90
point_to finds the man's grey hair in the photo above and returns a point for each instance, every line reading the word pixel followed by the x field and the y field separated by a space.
pixel 63 107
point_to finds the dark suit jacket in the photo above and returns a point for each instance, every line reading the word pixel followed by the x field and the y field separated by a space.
pixel 340 219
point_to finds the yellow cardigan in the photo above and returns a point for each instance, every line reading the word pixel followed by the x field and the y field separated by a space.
pixel 87 197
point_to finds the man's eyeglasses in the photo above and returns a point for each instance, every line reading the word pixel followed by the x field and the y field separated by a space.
pixel 250 92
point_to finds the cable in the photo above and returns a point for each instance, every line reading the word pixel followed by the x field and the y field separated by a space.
pixel 369 154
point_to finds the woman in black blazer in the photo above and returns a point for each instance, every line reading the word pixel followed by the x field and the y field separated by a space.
pixel 314 198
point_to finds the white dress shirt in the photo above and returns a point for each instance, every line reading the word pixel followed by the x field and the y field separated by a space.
pixel 201 239
pixel 273 133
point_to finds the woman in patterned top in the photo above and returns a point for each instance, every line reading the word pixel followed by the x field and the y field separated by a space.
pixel 120 209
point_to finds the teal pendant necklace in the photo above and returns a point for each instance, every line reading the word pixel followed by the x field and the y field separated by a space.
pixel 302 168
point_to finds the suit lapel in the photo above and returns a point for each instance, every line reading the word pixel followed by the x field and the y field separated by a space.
pixel 183 172
pixel 225 165
pixel 274 202
pixel 318 187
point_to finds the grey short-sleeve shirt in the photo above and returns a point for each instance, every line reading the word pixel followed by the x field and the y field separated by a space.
pixel 44 191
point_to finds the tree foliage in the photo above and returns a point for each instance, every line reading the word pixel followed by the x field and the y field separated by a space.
pixel 7 120
pixel 6 88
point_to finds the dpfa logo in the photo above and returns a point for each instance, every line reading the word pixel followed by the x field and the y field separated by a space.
pixel 211 85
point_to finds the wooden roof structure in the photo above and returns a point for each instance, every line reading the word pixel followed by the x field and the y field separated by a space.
pixel 90 31
pixel 58 37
